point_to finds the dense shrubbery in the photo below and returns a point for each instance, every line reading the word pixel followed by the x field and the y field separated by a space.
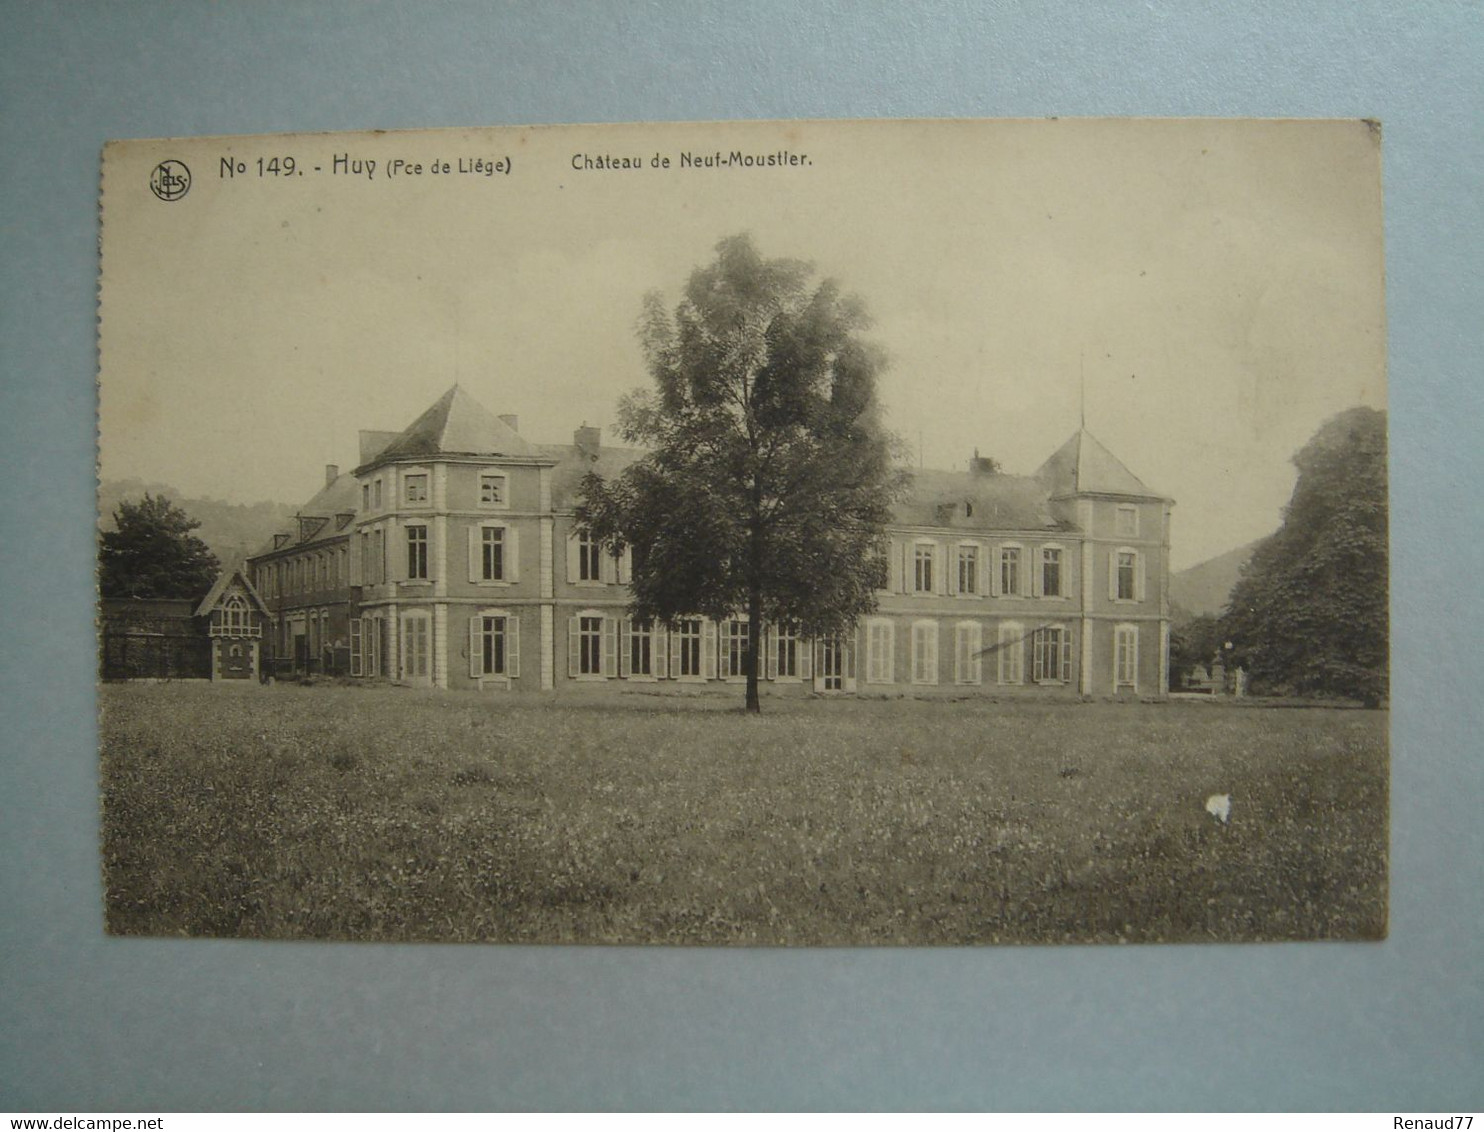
pixel 390 814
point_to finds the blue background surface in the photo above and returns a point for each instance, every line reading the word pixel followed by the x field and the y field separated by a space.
pixel 91 1023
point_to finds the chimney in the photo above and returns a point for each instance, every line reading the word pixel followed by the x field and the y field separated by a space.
pixel 332 473
pixel 512 420
pixel 588 439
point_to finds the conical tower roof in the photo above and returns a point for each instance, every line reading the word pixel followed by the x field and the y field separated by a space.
pixel 456 425
pixel 1083 466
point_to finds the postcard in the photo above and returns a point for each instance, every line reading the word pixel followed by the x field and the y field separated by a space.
pixel 750 533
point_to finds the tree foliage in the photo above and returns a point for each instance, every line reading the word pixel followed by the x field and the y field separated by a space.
pixel 1194 639
pixel 152 553
pixel 1309 614
pixel 769 477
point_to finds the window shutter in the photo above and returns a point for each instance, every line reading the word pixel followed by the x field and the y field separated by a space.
pixel 976 648
pixel 909 576
pixel 770 653
pixel 994 570
pixel 1066 655
pixel 610 646
pixel 806 659
pixel 1112 575
pixel 476 553
pixel 625 647
pixel 1037 571
pixel 608 567
pixel 950 574
pixel 512 554
pixel 573 629
pixel 512 646
pixel 355 647
pixel 658 667
pixel 572 574
pixel 396 535
pixel 1138 576
pixel 894 569
pixel 708 649
pixel 674 649
pixel 850 643
pixel 476 653
pixel 626 566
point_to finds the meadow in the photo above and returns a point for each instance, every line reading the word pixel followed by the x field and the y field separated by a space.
pixel 379 813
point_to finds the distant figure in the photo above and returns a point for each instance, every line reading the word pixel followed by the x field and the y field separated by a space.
pixel 1220 806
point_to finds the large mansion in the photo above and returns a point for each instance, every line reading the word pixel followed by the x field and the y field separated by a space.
pixel 448 559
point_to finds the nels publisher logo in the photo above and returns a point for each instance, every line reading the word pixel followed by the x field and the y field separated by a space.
pixel 170 180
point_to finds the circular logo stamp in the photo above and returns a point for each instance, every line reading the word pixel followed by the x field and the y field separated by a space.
pixel 170 180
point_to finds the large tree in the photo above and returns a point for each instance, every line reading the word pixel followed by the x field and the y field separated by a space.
pixel 1309 614
pixel 769 477
pixel 152 553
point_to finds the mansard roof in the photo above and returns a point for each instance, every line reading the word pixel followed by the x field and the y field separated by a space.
pixel 1083 466
pixel 975 501
pixel 574 462
pixel 223 583
pixel 315 522
pixel 455 425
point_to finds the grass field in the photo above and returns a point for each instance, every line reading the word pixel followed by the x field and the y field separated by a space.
pixel 383 813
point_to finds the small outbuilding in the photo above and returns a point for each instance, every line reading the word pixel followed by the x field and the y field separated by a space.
pixel 236 618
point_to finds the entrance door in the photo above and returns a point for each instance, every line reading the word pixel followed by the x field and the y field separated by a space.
pixel 416 650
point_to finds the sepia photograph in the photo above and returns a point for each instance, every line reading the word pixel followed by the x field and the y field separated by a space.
pixel 755 533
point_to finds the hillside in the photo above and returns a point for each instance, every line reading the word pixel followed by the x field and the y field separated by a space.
pixel 1205 587
pixel 231 530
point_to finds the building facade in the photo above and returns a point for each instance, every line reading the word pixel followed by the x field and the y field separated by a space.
pixel 449 558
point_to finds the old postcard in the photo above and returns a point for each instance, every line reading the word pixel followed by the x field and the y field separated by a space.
pixel 823 533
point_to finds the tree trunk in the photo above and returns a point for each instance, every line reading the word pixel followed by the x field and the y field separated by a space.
pixel 754 646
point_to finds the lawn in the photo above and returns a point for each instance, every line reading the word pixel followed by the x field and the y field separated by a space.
pixel 385 813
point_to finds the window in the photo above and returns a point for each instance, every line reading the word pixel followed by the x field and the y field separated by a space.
pixel 785 653
pixel 415 488
pixel 376 494
pixel 1126 657
pixel 968 666
pixel 492 554
pixel 1011 652
pixel 1126 522
pixel 1010 570
pixel 734 643
pixel 925 652
pixel 1127 567
pixel 365 497
pixel 324 571
pixel 1050 571
pixel 686 643
pixel 638 649
pixel 968 569
pixel 922 568
pixel 590 646
pixel 880 643
pixel 491 489
pixel 417 552
pixel 235 619
pixel 378 554
pixel 494 644
pixel 589 560
pixel 342 570
pixel 1051 655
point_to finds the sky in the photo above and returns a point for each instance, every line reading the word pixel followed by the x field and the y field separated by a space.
pixel 1206 292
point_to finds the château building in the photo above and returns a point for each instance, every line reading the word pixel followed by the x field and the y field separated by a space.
pixel 448 558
